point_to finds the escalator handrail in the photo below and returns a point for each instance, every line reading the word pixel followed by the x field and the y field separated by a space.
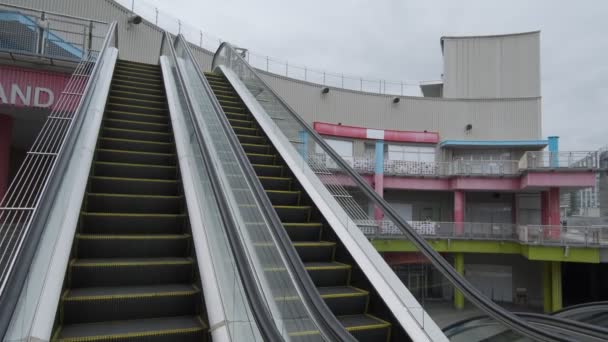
pixel 259 309
pixel 22 262
pixel 583 306
pixel 470 292
pixel 325 320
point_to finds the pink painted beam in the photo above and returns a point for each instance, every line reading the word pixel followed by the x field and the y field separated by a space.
pixel 574 179
pixel 484 183
pixel 410 183
pixel 370 133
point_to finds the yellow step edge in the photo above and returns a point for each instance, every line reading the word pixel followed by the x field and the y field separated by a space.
pixel 136 130
pixel 334 266
pixel 67 298
pixel 76 263
pixel 131 335
pixel 314 244
pixel 284 191
pixel 135 152
pixel 135 165
pixel 127 179
pixel 296 224
pixel 140 88
pixel 95 194
pixel 93 213
pixel 136 122
pixel 133 237
pixel 133 93
pixel 131 99
pixel 239 120
pixel 260 154
pixel 302 207
pixel 138 141
pixel 122 112
pixel 156 74
pixel 276 178
pixel 145 85
pixel 136 106
pixel 263 165
pixel 359 293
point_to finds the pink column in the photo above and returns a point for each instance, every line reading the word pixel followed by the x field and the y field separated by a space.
pixel 554 213
pixel 544 208
pixel 458 212
pixel 514 209
pixel 6 135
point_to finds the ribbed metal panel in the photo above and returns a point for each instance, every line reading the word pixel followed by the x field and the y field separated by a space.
pixel 492 119
pixel 492 66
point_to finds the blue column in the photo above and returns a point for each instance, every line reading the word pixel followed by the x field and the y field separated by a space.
pixel 554 149
pixel 304 144
pixel 379 168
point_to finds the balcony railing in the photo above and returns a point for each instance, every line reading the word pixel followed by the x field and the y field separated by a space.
pixel 415 168
pixel 484 167
pixel 527 234
pixel 536 160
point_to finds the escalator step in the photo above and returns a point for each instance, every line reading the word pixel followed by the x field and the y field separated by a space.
pixel 251 139
pixel 268 170
pixel 131 116
pixel 169 329
pixel 276 183
pixel 284 198
pixel 303 231
pixel 135 134
pixel 132 83
pixel 134 186
pixel 328 273
pixel 125 170
pixel 120 100
pixel 130 271
pixel 136 125
pixel 132 246
pixel 131 157
pixel 99 304
pixel 137 95
pixel 135 204
pixel 135 145
pixel 344 300
pixel 124 223
pixel 137 89
pixel 256 148
pixel 315 251
pixel 290 213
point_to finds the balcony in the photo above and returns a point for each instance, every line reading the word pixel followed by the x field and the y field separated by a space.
pixel 415 168
pixel 575 236
pixel 544 160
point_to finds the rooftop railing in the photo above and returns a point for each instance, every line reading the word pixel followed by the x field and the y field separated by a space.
pixel 484 167
pixel 270 64
pixel 41 33
pixel 535 160
pixel 576 236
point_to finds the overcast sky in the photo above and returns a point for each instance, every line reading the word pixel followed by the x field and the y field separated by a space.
pixel 399 40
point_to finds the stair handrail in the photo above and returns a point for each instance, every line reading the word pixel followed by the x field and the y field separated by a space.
pixel 470 292
pixel 27 204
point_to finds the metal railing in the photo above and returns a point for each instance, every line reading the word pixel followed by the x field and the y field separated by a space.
pixel 269 64
pixel 484 167
pixel 527 234
pixel 25 206
pixel 34 32
pixel 415 168
pixel 532 160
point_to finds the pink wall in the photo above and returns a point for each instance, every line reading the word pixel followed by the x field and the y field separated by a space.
pixel 6 128
pixel 22 87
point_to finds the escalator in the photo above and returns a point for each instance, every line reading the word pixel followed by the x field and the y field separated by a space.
pixel 339 281
pixel 133 274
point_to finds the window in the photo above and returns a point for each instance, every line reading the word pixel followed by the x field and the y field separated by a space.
pixel 411 153
pixel 344 148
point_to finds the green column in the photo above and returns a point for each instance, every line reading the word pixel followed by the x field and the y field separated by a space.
pixel 459 266
pixel 556 286
pixel 547 286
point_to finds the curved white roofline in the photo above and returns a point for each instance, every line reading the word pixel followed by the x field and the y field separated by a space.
pixel 488 36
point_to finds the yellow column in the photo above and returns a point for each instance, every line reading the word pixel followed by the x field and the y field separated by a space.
pixel 459 266
pixel 556 286
pixel 547 286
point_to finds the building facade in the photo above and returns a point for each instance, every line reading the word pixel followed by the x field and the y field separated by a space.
pixel 467 164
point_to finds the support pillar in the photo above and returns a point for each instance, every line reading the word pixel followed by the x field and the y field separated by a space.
pixel 556 286
pixel 379 176
pixel 6 135
pixel 550 213
pixel 458 212
pixel 554 151
pixel 459 266
pixel 547 287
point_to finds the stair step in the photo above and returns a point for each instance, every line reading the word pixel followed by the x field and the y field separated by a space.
pixel 363 327
pixel 136 125
pixel 327 273
pixel 152 75
pixel 135 134
pixel 133 204
pixel 99 304
pixel 183 329
pixel 134 186
pixel 303 231
pixel 242 123
pixel 151 109
pixel 129 223
pixel 293 213
pixel 245 130
pixel 132 64
pixel 132 157
pixel 124 170
pixel 136 95
pixel 315 251
pixel 276 183
pixel 268 170
pixel 256 148
pixel 131 116
pixel 137 102
pixel 137 89
pixel 135 69
pixel 259 158
pixel 93 246
pixel 152 82
pixel 280 197
pixel 142 85
pixel 135 145
pixel 130 271
pixel 251 139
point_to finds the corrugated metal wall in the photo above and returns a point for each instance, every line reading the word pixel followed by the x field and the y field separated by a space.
pixel 492 66
pixel 492 119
